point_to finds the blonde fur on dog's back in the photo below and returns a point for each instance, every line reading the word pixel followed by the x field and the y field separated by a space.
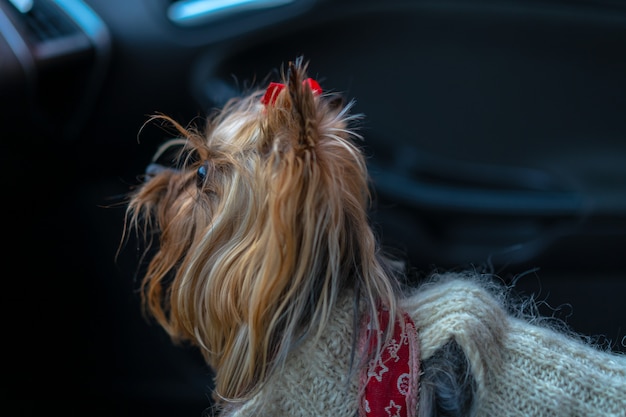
pixel 261 228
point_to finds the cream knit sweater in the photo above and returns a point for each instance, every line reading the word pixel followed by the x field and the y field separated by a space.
pixel 520 369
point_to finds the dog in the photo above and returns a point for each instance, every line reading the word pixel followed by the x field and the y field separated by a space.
pixel 264 258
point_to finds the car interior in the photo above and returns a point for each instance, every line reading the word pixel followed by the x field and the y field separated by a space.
pixel 495 133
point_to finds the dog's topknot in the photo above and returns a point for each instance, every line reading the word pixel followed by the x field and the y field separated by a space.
pixel 293 114
pixel 261 226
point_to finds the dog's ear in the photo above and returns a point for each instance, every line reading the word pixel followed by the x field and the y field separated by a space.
pixel 303 108
pixel 292 112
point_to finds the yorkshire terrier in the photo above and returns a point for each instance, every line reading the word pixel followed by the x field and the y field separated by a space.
pixel 266 261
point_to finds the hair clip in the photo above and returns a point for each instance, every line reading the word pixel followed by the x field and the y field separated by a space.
pixel 274 88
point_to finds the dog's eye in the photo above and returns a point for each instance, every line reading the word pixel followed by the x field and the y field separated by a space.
pixel 201 173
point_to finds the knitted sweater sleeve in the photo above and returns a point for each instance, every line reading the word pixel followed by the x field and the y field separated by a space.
pixel 520 369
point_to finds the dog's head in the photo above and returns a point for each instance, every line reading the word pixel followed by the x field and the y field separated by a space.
pixel 261 224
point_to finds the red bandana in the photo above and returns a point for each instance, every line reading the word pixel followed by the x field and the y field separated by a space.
pixel 392 382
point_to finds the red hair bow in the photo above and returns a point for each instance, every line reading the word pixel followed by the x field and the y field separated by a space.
pixel 274 88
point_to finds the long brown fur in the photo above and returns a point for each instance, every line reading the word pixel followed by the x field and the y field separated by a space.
pixel 260 228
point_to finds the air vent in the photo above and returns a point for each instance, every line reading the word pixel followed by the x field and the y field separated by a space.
pixel 45 20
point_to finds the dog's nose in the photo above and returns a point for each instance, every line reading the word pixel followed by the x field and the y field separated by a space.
pixel 153 169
